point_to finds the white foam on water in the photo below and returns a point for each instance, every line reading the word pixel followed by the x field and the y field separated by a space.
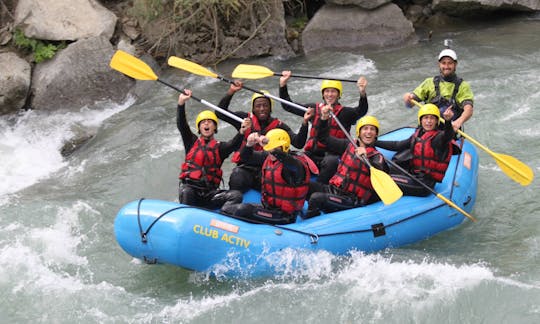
pixel 59 243
pixel 380 281
pixel 354 67
pixel 39 256
pixel 46 263
pixel 374 281
pixel 30 147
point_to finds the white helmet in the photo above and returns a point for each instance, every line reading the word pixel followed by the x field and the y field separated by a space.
pixel 448 52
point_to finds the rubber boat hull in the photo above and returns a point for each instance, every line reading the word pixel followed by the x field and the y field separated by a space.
pixel 197 239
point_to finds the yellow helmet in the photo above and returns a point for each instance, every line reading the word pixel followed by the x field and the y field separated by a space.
pixel 332 84
pixel 428 109
pixel 278 137
pixel 206 114
pixel 367 120
pixel 258 95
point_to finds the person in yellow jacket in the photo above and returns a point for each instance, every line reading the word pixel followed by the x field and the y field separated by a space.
pixel 446 90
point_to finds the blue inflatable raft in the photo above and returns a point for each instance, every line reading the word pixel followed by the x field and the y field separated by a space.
pixel 203 240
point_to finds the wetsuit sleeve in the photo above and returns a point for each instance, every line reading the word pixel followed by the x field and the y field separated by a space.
pixel 297 140
pixel 293 171
pixel 333 144
pixel 251 157
pixel 284 94
pixel 394 145
pixel 181 123
pixel 349 115
pixel 378 161
pixel 226 148
pixel 224 104
pixel 442 139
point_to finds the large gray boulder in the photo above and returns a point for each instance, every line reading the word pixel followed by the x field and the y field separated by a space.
pixel 64 19
pixel 349 28
pixel 468 7
pixel 78 76
pixel 364 4
pixel 14 82
pixel 271 38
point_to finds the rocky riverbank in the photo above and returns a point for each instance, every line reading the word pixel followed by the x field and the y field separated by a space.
pixel 86 33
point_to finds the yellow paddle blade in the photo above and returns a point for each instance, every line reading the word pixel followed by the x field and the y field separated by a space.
pixel 514 168
pixel 189 66
pixel 451 204
pixel 385 186
pixel 246 71
pixel 132 66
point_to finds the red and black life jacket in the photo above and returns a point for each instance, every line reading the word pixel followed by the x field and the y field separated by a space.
pixel 353 174
pixel 203 163
pixel 425 160
pixel 277 193
pixel 335 130
pixel 255 127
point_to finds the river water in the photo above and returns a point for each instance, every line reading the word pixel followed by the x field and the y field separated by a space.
pixel 60 263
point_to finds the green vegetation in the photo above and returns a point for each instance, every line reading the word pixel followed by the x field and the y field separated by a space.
pixel 40 50
pixel 299 23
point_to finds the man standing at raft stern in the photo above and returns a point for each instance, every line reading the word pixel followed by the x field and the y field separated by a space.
pixel 331 91
pixel 446 90
pixel 201 172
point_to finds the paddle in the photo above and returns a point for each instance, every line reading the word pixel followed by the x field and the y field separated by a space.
pixel 200 70
pixel 247 71
pixel 137 69
pixel 384 185
pixel 512 167
pixel 440 196
pixel 397 190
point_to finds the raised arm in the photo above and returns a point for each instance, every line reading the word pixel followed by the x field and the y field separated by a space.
pixel 284 94
pixel 181 122
pixel 298 140
pixel 226 148
pixel 349 115
pixel 225 103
